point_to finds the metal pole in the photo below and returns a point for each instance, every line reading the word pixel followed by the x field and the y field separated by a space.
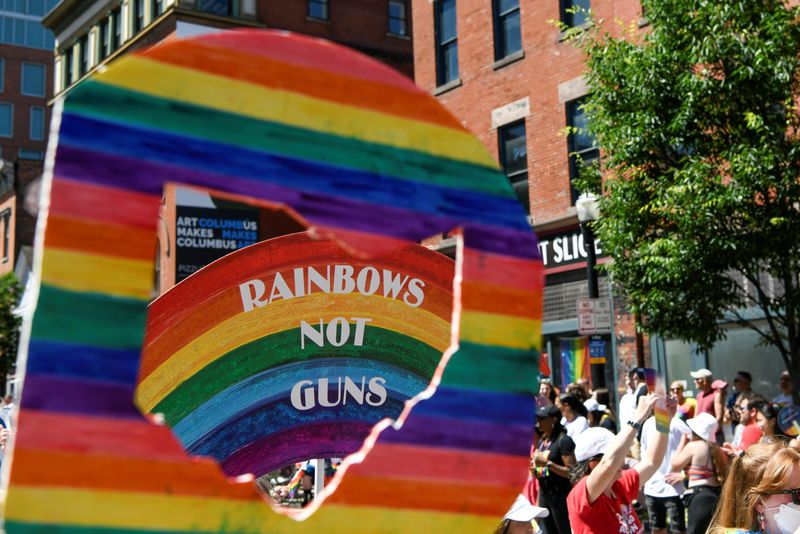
pixel 598 369
pixel 319 476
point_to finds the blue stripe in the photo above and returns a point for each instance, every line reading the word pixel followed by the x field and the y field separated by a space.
pixel 477 405
pixel 201 155
pixel 82 361
pixel 275 384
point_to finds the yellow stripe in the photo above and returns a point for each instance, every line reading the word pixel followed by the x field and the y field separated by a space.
pixel 284 315
pixel 501 330
pixel 127 510
pixel 172 82
pixel 80 271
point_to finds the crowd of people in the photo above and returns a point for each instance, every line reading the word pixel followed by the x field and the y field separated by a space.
pixel 724 464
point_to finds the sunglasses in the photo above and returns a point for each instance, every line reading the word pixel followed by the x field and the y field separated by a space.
pixel 795 493
pixel 676 389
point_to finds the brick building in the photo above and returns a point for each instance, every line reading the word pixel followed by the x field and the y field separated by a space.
pixel 90 33
pixel 504 69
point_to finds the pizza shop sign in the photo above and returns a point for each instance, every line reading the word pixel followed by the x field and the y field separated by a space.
pixel 565 249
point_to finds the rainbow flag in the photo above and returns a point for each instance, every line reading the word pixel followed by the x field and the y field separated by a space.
pixel 655 384
pixel 352 149
pixel 574 359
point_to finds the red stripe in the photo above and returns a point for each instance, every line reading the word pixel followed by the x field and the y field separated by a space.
pixel 90 202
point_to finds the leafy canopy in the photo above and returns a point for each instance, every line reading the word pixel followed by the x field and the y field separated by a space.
pixel 697 118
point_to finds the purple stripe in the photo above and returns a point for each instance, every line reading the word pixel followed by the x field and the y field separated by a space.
pixel 319 209
pixel 323 440
pixel 65 395
pixel 462 434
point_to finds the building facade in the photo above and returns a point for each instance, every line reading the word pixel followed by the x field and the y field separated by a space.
pixel 90 33
pixel 506 70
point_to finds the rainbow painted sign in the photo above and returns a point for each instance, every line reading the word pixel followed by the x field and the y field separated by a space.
pixel 293 349
pixel 356 152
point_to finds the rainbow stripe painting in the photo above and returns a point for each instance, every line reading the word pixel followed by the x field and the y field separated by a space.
pixel 574 359
pixel 334 344
pixel 360 155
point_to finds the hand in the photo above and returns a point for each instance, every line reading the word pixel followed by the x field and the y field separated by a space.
pixel 672 406
pixel 729 449
pixel 645 407
pixel 540 458
pixel 673 478
pixel 3 438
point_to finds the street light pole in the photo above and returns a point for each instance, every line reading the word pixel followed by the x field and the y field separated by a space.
pixel 588 211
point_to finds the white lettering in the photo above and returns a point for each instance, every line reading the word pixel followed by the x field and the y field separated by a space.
pixel 306 401
pixel 306 394
pixel 308 331
pixel 334 329
pixel 343 279
pixel 252 292
pixel 361 323
pixel 352 389
pixel 392 284
pixel 280 289
pixel 415 289
pixel 376 388
pixel 374 280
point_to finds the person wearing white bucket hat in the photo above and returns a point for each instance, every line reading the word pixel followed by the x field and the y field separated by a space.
pixel 518 519
pixel 707 466
pixel 601 500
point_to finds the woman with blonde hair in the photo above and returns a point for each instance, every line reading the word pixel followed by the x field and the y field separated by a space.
pixel 762 492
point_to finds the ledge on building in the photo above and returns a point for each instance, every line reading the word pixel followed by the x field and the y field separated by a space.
pixel 509 59
pixel 449 86
pixel 321 21
pixel 405 37
pixel 563 36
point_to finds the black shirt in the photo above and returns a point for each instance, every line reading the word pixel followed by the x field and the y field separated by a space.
pixel 549 482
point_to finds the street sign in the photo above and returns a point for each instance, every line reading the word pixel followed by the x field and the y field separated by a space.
pixel 597 350
pixel 594 316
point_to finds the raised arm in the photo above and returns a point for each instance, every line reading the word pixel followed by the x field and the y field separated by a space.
pixel 603 476
pixel 655 452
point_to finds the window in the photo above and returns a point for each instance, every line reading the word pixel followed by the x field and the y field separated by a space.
pixel 138 15
pixel 398 24
pixel 104 46
pixel 6 119
pixel 446 41
pixel 2 74
pixel 116 30
pixel 32 79
pixel 216 7
pixel 574 12
pixel 157 8
pixel 513 149
pixel 583 149
pixel 37 124
pixel 83 65
pixel 5 216
pixel 507 35
pixel 318 9
pixel 68 72
pixel 25 153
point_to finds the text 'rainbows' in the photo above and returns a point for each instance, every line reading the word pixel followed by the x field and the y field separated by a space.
pixel 242 360
pixel 359 153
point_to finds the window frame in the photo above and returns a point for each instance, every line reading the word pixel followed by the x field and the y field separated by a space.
pixel 404 20
pixel 69 68
pixel 156 9
pixel 502 142
pixel 500 36
pixel 442 47
pixel 2 74
pixel 571 107
pixel 84 60
pixel 115 30
pixel 569 18
pixel 104 39
pixel 325 5
pixel 11 120
pixel 137 16
pixel 30 124
pixel 22 90
pixel 5 217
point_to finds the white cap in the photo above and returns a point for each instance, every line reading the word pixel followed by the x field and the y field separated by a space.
pixel 523 510
pixel 704 425
pixel 593 442
pixel 702 373
pixel 593 406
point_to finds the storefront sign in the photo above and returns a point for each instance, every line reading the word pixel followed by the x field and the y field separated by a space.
pixel 565 249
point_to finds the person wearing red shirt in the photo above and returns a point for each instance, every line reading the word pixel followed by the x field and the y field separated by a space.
pixel 601 500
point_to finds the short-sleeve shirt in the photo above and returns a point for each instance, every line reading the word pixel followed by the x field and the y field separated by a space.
pixel 687 409
pixel 549 482
pixel 606 515
pixel 751 434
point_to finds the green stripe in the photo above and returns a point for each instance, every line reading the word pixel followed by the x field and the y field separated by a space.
pixel 284 348
pixel 492 368
pixel 106 102
pixel 89 319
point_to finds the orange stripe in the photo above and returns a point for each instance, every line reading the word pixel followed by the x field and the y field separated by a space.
pixel 437 464
pixel 200 477
pixel 268 72
pixel 419 495
pixel 101 203
pixel 477 296
pixel 97 435
pixel 104 238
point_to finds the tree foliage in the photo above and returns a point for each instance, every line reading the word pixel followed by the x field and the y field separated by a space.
pixel 697 118
pixel 10 293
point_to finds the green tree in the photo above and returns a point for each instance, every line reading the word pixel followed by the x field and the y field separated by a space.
pixel 10 293
pixel 697 118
